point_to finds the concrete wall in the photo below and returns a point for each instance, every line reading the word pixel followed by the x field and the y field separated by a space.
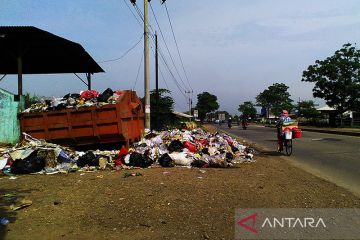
pixel 9 123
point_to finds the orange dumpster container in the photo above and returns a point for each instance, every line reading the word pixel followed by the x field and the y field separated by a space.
pixel 122 122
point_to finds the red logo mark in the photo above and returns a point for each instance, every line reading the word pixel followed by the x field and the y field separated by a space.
pixel 241 223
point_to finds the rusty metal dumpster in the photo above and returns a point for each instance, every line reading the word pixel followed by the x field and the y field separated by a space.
pixel 121 122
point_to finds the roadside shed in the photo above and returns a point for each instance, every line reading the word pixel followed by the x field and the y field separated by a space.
pixel 30 50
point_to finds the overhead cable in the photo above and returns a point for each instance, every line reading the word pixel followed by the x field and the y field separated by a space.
pixel 138 71
pixel 122 56
pixel 162 35
pixel 127 5
pixel 177 47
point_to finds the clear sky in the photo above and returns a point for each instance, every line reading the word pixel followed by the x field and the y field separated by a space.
pixel 233 49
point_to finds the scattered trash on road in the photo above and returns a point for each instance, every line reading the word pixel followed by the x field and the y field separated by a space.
pixel 132 174
pixel 24 203
pixel 4 221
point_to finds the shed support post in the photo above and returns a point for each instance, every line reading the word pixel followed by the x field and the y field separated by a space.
pixel 88 76
pixel 20 71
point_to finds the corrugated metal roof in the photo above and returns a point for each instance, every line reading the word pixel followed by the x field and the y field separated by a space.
pixel 326 108
pixel 42 52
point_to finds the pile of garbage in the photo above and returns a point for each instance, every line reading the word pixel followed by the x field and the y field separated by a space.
pixel 83 99
pixel 195 148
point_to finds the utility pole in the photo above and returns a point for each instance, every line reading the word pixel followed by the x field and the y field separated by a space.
pixel 157 81
pixel 146 66
pixel 190 100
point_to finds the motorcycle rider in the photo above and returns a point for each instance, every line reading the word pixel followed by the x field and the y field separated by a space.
pixel 244 123
pixel 229 122
pixel 284 117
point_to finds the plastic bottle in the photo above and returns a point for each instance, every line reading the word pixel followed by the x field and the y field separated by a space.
pixel 4 221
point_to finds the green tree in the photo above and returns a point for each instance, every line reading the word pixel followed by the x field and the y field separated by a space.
pixel 247 109
pixel 337 79
pixel 30 99
pixel 166 105
pixel 307 109
pixel 206 103
pixel 236 118
pixel 275 98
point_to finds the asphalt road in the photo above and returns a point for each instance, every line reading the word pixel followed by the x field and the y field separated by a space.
pixel 335 158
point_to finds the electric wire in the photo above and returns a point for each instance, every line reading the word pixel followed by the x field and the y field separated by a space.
pixel 164 79
pixel 139 12
pixel 127 5
pixel 168 67
pixel 122 56
pixel 138 71
pixel 163 58
pixel 182 90
pixel 162 35
pixel 171 73
pixel 177 46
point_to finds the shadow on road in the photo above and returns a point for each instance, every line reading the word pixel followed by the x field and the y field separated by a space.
pixel 270 153
pixel 7 198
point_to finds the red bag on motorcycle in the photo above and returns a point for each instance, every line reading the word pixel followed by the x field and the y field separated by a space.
pixel 191 147
pixel 296 132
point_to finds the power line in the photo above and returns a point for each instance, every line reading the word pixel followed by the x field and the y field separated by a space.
pixel 162 35
pixel 122 56
pixel 164 79
pixel 127 5
pixel 182 90
pixel 163 58
pixel 138 71
pixel 177 47
pixel 171 73
pixel 139 12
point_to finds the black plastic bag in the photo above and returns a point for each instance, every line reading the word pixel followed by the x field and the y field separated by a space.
pixel 229 156
pixel 139 160
pixel 166 161
pixel 234 149
pixel 72 95
pixel 205 151
pixel 198 163
pixel 103 97
pixel 89 159
pixel 175 146
pixel 31 164
pixel 150 135
pixel 60 106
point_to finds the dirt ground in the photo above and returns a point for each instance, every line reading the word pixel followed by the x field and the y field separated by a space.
pixel 172 203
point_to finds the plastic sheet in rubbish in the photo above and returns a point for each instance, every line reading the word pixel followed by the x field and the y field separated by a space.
pixel 166 161
pixel 31 164
pixel 88 159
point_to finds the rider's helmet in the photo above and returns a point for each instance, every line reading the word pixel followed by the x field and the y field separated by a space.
pixel 284 113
